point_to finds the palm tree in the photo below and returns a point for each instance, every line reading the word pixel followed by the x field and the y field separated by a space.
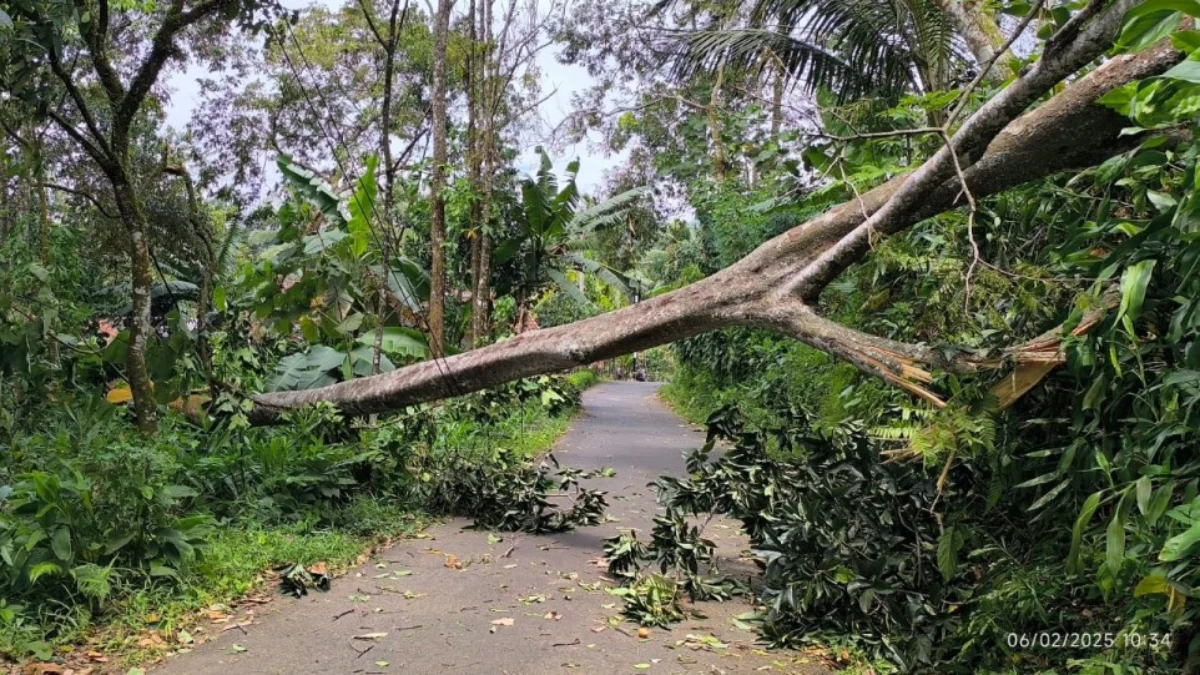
pixel 850 47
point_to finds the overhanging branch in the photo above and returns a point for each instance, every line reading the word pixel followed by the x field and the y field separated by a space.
pixel 1068 131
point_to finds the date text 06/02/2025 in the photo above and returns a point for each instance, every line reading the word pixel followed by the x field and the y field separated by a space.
pixel 1047 640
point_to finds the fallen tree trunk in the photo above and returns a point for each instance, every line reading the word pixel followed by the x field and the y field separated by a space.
pixel 777 285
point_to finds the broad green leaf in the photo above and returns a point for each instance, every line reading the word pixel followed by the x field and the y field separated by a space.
pixel 1134 282
pixel 566 286
pixel 179 491
pixel 118 542
pixel 306 371
pixel 1159 503
pixel 362 209
pixel 363 358
pixel 1114 542
pixel 1081 522
pixel 1178 546
pixel 350 323
pixel 1143 491
pixel 60 543
pixel 313 188
pixel 1186 40
pixel 1146 24
pixel 396 340
pixel 1152 585
pixel 1189 7
pixel 947 553
pixel 1188 71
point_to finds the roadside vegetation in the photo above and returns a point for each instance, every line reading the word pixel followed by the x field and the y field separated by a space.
pixel 107 535
pixel 930 271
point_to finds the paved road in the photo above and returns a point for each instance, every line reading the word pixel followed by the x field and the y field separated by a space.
pixel 440 619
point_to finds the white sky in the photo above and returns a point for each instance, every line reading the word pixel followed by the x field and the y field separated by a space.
pixel 563 80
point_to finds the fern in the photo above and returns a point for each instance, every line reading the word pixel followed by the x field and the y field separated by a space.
pixel 45 568
pixel 93 581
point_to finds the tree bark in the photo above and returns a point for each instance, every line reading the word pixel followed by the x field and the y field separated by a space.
pixel 5 209
pixel 714 126
pixel 136 373
pixel 489 107
pixel 474 84
pixel 437 228
pixel 776 286
pixel 43 211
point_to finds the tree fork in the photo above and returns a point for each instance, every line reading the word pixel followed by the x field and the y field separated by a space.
pixel 1069 131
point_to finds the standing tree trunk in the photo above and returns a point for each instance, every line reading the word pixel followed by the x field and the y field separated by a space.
pixel 437 227
pixel 43 213
pixel 473 81
pixel 777 98
pixel 141 280
pixel 714 126
pixel 487 111
pixel 5 216
pixel 110 150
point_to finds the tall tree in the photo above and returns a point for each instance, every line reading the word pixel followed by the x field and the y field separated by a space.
pixel 53 38
pixel 437 226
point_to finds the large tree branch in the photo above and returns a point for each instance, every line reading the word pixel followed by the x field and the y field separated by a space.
pixel 95 34
pixel 97 147
pixel 1068 131
pixel 162 48
pixel 1061 59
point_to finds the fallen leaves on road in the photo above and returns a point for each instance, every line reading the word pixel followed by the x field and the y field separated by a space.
pixel 496 623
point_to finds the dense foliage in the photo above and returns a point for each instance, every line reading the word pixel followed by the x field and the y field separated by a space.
pixel 934 536
pixel 362 188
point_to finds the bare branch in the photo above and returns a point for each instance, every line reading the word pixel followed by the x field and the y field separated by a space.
pixel 80 193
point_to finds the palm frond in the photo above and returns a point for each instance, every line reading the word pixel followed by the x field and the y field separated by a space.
pixel 235 237
pixel 850 47
pixel 565 285
pixel 865 69
pixel 606 212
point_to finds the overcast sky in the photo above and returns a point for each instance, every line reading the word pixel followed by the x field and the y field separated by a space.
pixel 563 80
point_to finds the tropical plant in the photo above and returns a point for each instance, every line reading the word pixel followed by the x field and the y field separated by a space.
pixel 855 49
pixel 552 225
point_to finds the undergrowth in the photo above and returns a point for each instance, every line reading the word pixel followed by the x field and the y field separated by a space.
pixel 104 533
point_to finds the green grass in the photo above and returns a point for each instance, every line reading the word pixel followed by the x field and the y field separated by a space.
pixel 526 431
pixel 582 379
pixel 232 566
pixel 238 552
pixel 690 400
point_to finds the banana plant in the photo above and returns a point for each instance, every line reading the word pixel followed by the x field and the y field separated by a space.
pixel 551 229
pixel 329 254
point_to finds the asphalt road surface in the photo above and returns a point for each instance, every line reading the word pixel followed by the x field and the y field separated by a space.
pixel 454 603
